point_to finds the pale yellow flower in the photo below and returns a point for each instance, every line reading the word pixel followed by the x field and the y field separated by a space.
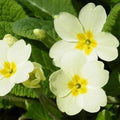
pixel 14 65
pixel 78 84
pixel 84 34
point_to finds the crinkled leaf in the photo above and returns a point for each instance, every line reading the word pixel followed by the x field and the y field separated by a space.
pixel 20 90
pixel 48 8
pixel 11 11
pixel 5 28
pixel 25 27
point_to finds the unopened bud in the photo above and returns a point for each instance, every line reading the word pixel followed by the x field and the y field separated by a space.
pixel 35 77
pixel 9 39
pixel 39 33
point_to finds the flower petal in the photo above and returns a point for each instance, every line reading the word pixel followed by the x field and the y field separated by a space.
pixel 3 53
pixel 19 52
pixel 106 39
pixel 96 77
pixel 107 53
pixel 22 73
pixel 59 49
pixel 69 104
pixel 92 18
pixel 5 86
pixel 58 83
pixel 92 56
pixel 67 26
pixel 93 99
pixel 73 61
pixel 107 46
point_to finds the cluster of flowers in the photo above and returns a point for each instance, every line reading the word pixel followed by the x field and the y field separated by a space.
pixel 79 81
pixel 15 67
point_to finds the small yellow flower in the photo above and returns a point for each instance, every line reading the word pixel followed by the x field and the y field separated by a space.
pixel 35 77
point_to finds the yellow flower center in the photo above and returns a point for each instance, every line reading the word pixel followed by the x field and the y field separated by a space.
pixel 9 69
pixel 86 42
pixel 77 85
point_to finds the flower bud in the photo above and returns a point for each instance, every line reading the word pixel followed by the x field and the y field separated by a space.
pixel 35 77
pixel 39 33
pixel 44 37
pixel 9 39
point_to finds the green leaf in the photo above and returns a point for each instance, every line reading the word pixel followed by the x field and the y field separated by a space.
pixel 113 2
pixel 37 112
pixel 112 25
pixel 103 115
pixel 11 11
pixel 20 90
pixel 25 27
pixel 49 8
pixel 4 104
pixel 5 28
pixel 40 54
pixel 113 86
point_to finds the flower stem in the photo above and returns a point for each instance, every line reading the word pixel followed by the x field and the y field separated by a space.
pixel 49 105
pixel 17 101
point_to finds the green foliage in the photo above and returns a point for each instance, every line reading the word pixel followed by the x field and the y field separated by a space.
pixel 37 112
pixel 25 27
pixel 47 9
pixel 20 90
pixel 40 55
pixel 39 14
pixel 103 115
pixel 114 2
pixel 10 11
pixel 4 104
pixel 113 86
pixel 112 24
pixel 5 27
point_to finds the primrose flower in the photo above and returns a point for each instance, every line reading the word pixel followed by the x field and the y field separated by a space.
pixel 35 77
pixel 84 34
pixel 14 65
pixel 77 85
